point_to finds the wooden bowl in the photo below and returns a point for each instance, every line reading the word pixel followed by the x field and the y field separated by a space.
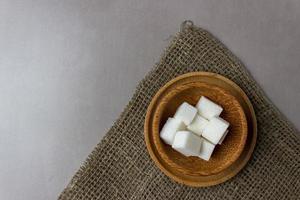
pixel 227 159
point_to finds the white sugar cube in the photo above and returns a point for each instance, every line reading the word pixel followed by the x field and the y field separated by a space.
pixel 186 113
pixel 215 129
pixel 206 149
pixel 187 143
pixel 223 137
pixel 198 124
pixel 208 109
pixel 169 130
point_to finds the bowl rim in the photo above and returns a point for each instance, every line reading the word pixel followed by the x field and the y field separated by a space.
pixel 191 182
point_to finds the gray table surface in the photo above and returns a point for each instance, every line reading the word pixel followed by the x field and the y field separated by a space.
pixel 68 68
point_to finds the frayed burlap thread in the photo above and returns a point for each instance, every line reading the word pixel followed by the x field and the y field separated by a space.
pixel 120 167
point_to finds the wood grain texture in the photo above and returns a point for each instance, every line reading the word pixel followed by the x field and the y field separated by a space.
pixel 230 157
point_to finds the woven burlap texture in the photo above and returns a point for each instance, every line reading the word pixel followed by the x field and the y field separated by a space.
pixel 120 167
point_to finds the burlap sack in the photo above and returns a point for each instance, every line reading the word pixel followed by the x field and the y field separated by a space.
pixel 120 167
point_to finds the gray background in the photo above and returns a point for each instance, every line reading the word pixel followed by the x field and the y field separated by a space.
pixel 68 68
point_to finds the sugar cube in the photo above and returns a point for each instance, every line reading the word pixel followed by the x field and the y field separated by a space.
pixel 186 113
pixel 223 137
pixel 206 149
pixel 215 129
pixel 208 109
pixel 169 130
pixel 187 143
pixel 198 124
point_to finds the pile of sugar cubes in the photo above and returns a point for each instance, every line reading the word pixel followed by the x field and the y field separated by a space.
pixel 194 131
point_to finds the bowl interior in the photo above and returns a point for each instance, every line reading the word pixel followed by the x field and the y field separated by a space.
pixel 224 155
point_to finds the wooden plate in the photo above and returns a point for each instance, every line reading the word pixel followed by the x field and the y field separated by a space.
pixel 230 157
